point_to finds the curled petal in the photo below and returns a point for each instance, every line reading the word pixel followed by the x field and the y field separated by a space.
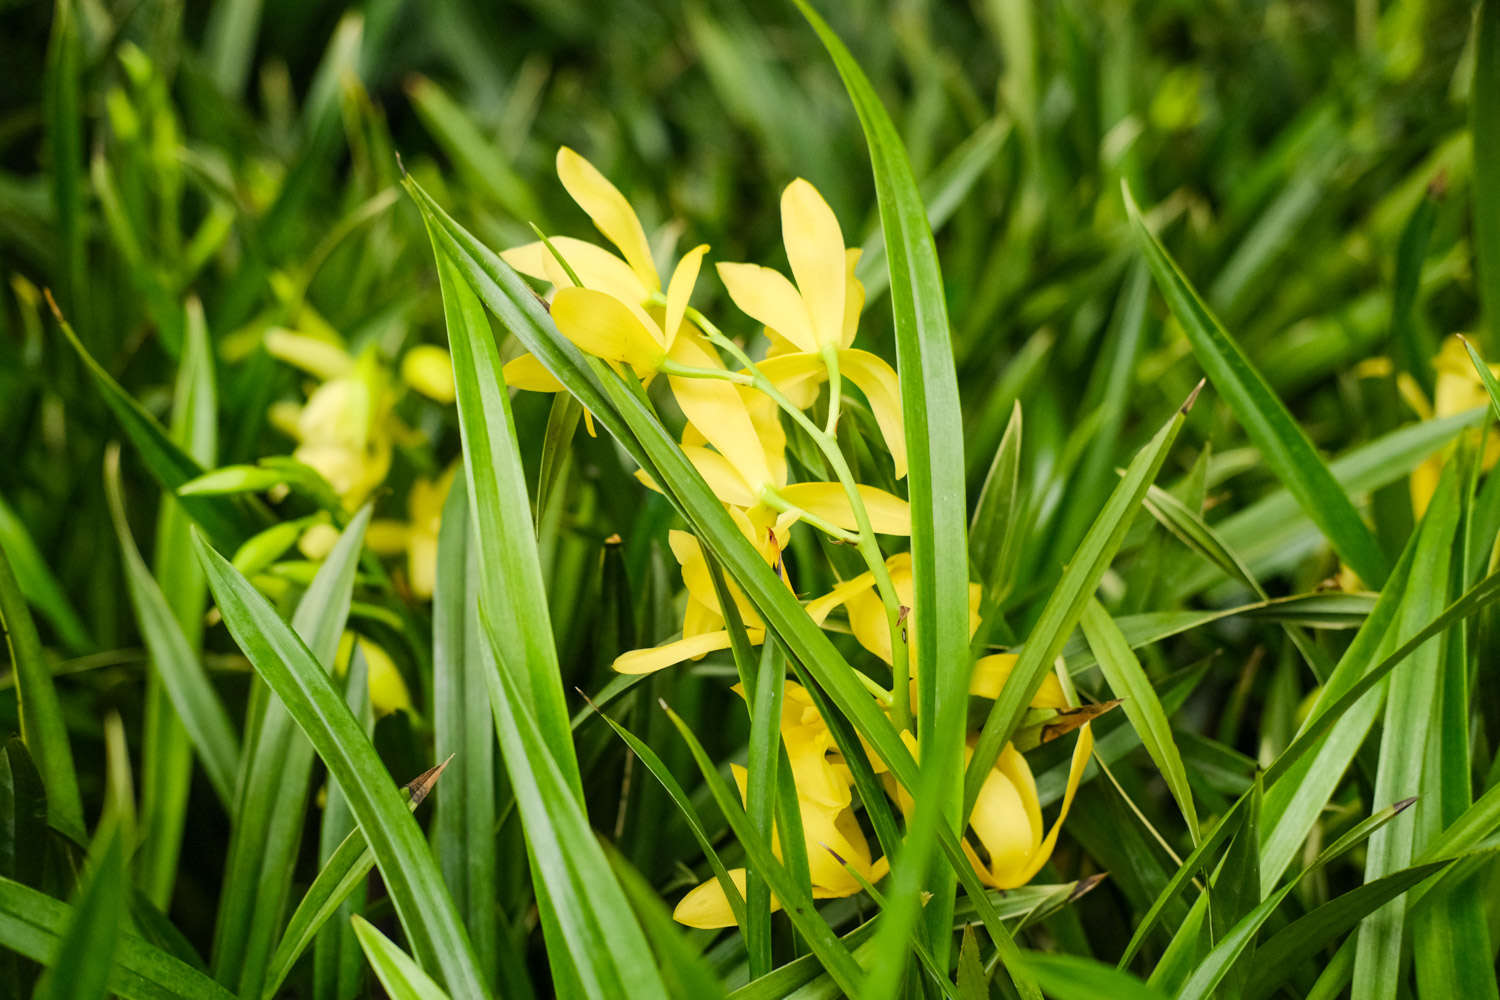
pixel 877 380
pixel 607 328
pixel 991 673
pixel 610 211
pixel 815 249
pixel 707 908
pixel 528 373
pixel 820 608
pixel 764 294
pixel 648 661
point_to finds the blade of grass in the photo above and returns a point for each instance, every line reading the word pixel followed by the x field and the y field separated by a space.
pixel 1307 936
pixel 227 521
pixel 1410 715
pixel 39 584
pixel 299 681
pixel 338 965
pixel 172 656
pixel 342 873
pixel 1068 600
pixel 684 972
pixel 81 964
pixel 513 595
pixel 763 762
pixel 1282 442
pixel 935 487
pixel 33 924
pixel 402 978
pixel 1127 679
pixel 593 927
pixel 464 816
pixel 272 787
pixel 166 767
pixel 1221 961
pixel 1074 977
pixel 42 726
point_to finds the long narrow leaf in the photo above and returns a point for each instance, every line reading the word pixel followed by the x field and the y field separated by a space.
pixel 1281 441
pixel 299 681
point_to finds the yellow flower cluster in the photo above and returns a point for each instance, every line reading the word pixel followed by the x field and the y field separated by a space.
pixel 611 305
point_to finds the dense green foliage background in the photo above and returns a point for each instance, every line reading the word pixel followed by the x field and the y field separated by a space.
pixel 1309 166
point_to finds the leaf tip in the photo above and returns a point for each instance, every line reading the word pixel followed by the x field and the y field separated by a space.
pixel 1187 404
pixel 1405 804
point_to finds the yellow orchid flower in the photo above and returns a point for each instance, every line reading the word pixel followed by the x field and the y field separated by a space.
pixel 867 620
pixel 417 535
pixel 812 324
pixel 832 833
pixel 1457 389
pixel 610 312
pixel 344 431
pixel 1007 817
pixel 387 689
pixel 428 369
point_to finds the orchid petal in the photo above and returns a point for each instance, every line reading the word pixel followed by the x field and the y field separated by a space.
pixel 991 672
pixel 605 327
pixel 766 295
pixel 654 658
pixel 527 373
pixel 610 211
pixel 722 477
pixel 680 290
pixel 878 381
pixel 718 411
pixel 815 249
pixel 854 297
pixel 707 908
pixel 889 514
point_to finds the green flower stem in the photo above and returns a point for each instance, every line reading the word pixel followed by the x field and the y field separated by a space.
pixel 687 371
pixel 868 548
pixel 835 388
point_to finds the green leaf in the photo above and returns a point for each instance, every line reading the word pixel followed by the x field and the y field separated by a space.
pixel 512 594
pixel 172 657
pixel 299 681
pixel 995 531
pixel 1410 716
pixel 42 726
pixel 1127 679
pixel 464 818
pixel 39 584
pixel 402 978
pixel 80 966
pixel 33 925
pixel 1068 600
pixel 763 762
pixel 684 972
pixel 338 965
pixel 934 428
pixel 1208 977
pixel 342 873
pixel 1275 532
pixel 684 804
pixel 1307 936
pixel 272 787
pixel 1282 442
pixel 227 522
pixel 1073 977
